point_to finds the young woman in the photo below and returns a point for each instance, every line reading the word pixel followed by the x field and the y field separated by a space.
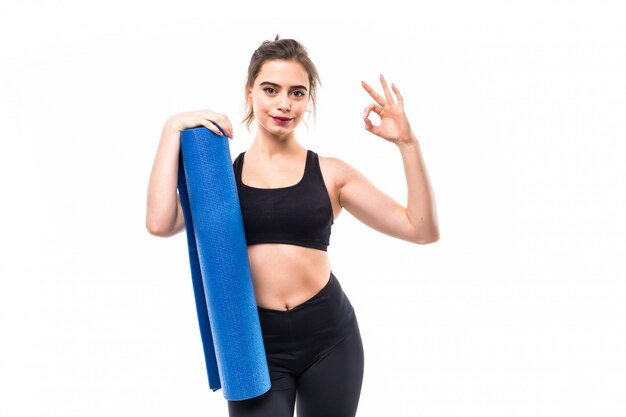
pixel 289 198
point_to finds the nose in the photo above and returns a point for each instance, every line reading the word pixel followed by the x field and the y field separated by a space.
pixel 284 105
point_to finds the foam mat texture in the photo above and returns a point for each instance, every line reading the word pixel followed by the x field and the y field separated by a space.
pixel 224 294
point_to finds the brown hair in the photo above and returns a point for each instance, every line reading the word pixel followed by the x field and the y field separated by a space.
pixel 285 49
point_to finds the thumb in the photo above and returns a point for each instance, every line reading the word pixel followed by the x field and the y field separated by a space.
pixel 369 126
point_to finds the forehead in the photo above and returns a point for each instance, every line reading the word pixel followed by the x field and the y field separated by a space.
pixel 283 72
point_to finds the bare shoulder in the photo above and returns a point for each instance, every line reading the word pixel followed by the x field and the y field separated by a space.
pixel 339 171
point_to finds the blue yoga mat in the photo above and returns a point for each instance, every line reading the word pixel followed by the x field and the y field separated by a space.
pixel 222 284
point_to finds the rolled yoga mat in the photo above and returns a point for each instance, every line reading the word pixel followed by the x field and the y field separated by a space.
pixel 222 284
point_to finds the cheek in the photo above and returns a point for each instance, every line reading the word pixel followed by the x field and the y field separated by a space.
pixel 302 105
pixel 257 103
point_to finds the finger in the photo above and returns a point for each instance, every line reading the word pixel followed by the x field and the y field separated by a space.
pixel 379 99
pixel 228 127
pixel 220 120
pixel 368 123
pixel 398 95
pixel 370 127
pixel 372 107
pixel 388 95
pixel 211 126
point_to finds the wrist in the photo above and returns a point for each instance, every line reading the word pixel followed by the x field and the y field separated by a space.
pixel 408 142
pixel 171 126
pixel 170 136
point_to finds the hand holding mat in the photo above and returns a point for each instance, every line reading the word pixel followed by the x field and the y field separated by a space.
pixel 220 271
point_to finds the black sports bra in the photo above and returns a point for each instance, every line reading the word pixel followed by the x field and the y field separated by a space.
pixel 299 214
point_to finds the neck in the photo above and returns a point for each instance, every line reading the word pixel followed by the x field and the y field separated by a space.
pixel 268 145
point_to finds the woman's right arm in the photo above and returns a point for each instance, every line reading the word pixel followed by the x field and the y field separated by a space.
pixel 164 215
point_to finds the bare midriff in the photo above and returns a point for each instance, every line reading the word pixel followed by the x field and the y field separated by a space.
pixel 285 276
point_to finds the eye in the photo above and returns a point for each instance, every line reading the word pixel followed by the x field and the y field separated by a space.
pixel 298 93
pixel 269 90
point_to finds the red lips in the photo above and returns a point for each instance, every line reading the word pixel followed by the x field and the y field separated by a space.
pixel 281 120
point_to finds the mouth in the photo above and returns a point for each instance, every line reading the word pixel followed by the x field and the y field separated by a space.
pixel 281 120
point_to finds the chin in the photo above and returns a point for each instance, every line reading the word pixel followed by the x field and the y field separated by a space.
pixel 279 132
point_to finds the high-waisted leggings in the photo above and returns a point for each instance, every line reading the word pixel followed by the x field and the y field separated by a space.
pixel 314 354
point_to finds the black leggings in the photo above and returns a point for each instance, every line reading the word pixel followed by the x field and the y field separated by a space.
pixel 314 350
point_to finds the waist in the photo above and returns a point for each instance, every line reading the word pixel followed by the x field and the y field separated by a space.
pixel 285 276
pixel 325 318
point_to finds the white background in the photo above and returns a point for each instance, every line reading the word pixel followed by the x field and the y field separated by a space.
pixel 519 107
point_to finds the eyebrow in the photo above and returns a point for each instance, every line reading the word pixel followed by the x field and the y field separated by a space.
pixel 276 85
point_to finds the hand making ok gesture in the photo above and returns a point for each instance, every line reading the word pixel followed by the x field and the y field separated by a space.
pixel 394 125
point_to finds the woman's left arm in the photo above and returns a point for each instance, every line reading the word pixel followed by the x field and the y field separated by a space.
pixel 417 222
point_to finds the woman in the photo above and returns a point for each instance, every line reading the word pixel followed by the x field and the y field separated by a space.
pixel 289 198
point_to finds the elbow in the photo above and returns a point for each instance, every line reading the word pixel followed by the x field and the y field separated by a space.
pixel 424 241
pixel 430 240
pixel 156 228
pixel 426 238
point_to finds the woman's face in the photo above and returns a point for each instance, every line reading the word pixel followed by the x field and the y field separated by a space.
pixel 279 96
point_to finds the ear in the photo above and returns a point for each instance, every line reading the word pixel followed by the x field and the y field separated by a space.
pixel 249 96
